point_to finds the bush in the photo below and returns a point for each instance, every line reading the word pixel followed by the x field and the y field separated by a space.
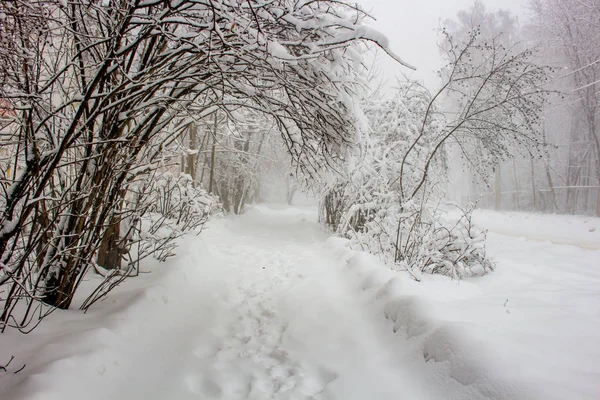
pixel 386 202
pixel 159 209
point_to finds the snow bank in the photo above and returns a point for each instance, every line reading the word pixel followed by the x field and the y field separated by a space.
pixel 440 348
pixel 123 347
pixel 265 306
pixel 528 330
pixel 578 230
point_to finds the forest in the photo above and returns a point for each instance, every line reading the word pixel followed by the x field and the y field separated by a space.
pixel 128 127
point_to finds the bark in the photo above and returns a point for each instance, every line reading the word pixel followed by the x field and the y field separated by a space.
pixel 497 189
pixel 190 165
pixel 533 190
pixel 212 157
pixel 111 251
pixel 517 194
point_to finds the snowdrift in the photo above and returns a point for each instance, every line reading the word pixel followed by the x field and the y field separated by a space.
pixel 444 347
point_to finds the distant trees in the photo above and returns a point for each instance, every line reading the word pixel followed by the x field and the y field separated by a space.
pixel 501 25
pixel 569 32
pixel 563 175
pixel 502 28
pixel 241 144
pixel 103 93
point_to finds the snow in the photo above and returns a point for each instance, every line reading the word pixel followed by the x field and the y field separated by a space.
pixel 576 230
pixel 277 50
pixel 267 306
pixel 9 226
pixel 372 35
pixel 538 314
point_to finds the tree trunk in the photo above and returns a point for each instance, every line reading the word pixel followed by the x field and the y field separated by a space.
pixel 533 194
pixel 291 189
pixel 497 188
pixel 111 252
pixel 569 181
pixel 256 194
pixel 203 144
pixel 113 247
pixel 190 165
pixel 241 186
pixel 212 157
pixel 553 203
pixel 596 161
pixel 517 194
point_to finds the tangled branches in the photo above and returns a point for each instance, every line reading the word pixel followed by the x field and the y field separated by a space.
pixel 96 90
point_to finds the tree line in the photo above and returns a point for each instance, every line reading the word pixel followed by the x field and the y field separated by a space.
pixel 565 176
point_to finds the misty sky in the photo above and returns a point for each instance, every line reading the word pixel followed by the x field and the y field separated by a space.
pixel 411 27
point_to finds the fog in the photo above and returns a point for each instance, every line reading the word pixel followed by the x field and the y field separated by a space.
pixel 412 28
pixel 561 174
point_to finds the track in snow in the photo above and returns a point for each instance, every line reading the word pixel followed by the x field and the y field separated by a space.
pixel 255 308
pixel 294 332
pixel 248 358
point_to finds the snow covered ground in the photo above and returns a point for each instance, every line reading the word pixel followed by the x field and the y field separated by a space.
pixel 576 230
pixel 266 306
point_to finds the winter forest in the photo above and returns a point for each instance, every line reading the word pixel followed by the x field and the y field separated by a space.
pixel 271 199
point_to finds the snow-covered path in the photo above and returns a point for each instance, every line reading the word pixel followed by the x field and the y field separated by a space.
pixel 266 306
pixel 291 330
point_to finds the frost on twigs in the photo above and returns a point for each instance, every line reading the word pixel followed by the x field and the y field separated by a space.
pixel 416 237
pixel 429 241
pixel 367 206
pixel 160 209
pixel 98 90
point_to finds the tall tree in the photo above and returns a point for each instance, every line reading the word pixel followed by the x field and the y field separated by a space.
pixel 488 105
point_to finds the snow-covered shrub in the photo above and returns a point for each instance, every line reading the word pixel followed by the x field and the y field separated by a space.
pixel 387 203
pixel 168 207
pixel 417 237
pixel 488 105
pixel 159 209
pixel 421 238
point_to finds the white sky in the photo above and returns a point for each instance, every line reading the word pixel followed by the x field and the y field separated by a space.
pixel 411 27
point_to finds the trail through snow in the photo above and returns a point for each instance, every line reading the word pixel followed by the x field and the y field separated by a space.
pixel 254 309
pixel 285 330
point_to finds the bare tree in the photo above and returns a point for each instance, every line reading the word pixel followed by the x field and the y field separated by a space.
pixel 98 88
pixel 495 97
pixel 569 30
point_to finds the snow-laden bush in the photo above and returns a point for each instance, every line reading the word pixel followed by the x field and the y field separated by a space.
pixel 488 105
pixel 417 237
pixel 173 207
pixel 422 238
pixel 386 203
pixel 162 208
pixel 159 209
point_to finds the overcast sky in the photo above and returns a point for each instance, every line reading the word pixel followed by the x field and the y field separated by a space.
pixel 411 28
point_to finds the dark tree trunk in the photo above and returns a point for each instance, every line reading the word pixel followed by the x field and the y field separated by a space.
pixel 212 157
pixel 111 250
pixel 190 165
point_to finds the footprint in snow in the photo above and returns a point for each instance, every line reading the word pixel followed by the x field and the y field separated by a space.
pixel 203 386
